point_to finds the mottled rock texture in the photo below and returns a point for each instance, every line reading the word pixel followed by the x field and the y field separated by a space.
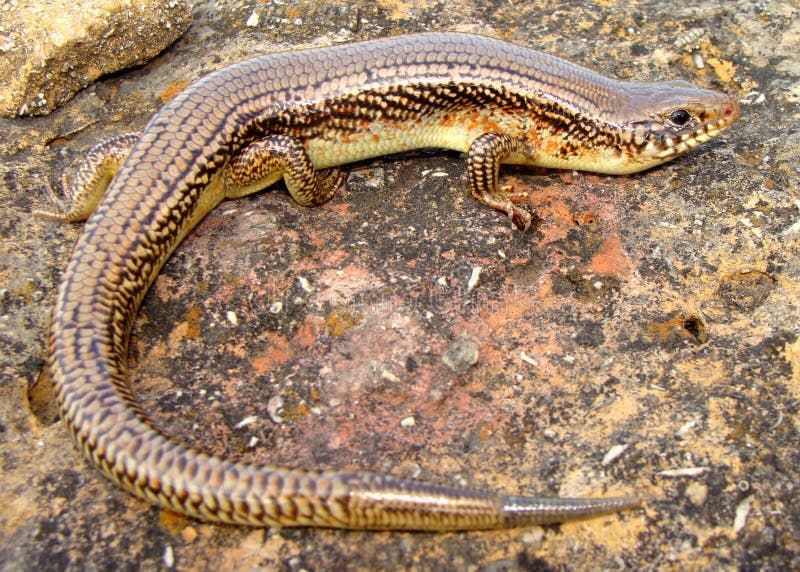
pixel 643 340
pixel 49 50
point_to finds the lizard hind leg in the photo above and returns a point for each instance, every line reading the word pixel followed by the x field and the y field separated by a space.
pixel 267 160
pixel 82 194
pixel 484 157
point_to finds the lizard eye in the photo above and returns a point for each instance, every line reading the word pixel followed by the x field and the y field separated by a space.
pixel 679 117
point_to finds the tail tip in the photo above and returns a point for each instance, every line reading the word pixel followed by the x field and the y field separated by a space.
pixel 529 511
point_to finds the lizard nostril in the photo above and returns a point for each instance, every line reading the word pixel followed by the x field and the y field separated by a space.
pixel 732 111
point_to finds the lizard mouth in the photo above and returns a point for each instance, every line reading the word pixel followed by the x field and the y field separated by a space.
pixel 723 119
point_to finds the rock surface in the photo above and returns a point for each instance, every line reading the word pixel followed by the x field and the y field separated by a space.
pixel 50 50
pixel 643 341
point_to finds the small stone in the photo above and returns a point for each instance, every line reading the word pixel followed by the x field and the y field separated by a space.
pixel 528 359
pixel 253 20
pixel 389 376
pixel 697 493
pixel 275 408
pixel 189 534
pixel 460 355
pixel 613 454
pixel 687 472
pixel 742 512
pixel 685 428
pixel 474 278
pixel 534 537
pixel 169 557
pixel 246 421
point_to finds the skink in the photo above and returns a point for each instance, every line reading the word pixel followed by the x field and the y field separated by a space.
pixel 297 116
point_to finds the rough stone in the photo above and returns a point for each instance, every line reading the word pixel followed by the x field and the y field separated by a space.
pixel 51 50
pixel 612 323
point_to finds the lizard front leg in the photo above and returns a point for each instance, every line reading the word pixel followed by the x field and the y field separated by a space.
pixel 484 157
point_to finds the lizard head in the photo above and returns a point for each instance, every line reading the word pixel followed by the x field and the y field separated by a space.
pixel 664 120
